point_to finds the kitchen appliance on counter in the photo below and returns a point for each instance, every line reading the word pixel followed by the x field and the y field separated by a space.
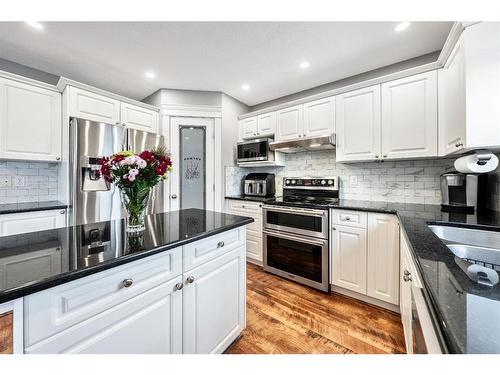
pixel 259 185
pixel 255 150
pixel 296 230
pixel 92 198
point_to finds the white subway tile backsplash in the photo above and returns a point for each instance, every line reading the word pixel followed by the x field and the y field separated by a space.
pixel 40 181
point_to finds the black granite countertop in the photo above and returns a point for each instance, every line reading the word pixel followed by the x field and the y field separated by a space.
pixel 70 257
pixel 13 208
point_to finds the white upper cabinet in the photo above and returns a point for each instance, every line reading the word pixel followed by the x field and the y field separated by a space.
pixel 94 107
pixel 357 120
pixel 452 102
pixel 383 258
pixel 469 92
pixel 248 127
pixel 319 117
pixel 30 122
pixel 139 118
pixel 290 123
pixel 266 124
pixel 409 117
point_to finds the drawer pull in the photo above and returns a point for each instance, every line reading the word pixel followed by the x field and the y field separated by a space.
pixel 179 286
pixel 190 280
pixel 220 244
pixel 347 218
pixel 127 282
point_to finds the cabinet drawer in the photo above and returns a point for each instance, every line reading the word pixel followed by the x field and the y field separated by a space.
pixel 349 218
pixel 61 307
pixel 199 252
pixel 24 222
pixel 246 206
pixel 150 323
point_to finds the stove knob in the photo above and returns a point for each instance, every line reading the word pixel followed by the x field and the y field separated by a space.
pixel 330 182
pixel 323 182
pixel 287 182
pixel 293 182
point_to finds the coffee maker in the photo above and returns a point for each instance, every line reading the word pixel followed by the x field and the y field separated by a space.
pixel 464 192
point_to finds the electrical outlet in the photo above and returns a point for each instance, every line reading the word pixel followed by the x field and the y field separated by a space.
pixel 19 181
pixel 353 180
pixel 5 181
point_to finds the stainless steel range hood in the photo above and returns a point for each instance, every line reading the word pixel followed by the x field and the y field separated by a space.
pixel 324 142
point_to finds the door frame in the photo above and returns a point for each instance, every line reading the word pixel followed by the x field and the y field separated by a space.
pixel 166 130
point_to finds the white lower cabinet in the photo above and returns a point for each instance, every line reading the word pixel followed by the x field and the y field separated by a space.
pixel 25 222
pixel 365 254
pixel 383 258
pixel 349 258
pixel 214 304
pixel 254 230
pixel 157 304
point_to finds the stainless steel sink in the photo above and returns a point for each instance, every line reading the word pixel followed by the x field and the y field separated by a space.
pixel 477 251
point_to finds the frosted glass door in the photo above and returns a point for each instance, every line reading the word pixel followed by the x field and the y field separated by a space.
pixel 192 141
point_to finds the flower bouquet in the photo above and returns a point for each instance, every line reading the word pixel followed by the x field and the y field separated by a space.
pixel 136 175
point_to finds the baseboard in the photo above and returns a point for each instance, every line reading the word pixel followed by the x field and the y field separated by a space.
pixel 255 261
pixel 367 299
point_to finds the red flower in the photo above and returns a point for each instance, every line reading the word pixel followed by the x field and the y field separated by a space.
pixel 161 169
pixel 148 156
pixel 117 158
pixel 103 160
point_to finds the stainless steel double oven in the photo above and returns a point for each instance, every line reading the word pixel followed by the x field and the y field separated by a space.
pixel 296 244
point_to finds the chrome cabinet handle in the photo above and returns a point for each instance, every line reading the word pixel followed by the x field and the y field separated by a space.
pixel 179 286
pixel 58 158
pixel 220 244
pixel 190 280
pixel 333 228
pixel 127 282
pixel 406 273
pixel 118 123
pixel 347 218
pixel 384 156
pixel 62 211
pixel 406 278
pixel 173 196
pixel 376 156
pixel 458 144
pixel 242 206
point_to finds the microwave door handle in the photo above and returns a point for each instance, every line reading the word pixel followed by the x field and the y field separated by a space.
pixel 293 238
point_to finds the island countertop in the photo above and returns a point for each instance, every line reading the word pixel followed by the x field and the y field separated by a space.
pixel 66 254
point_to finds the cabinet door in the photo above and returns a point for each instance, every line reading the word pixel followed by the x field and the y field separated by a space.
pixel 94 107
pixel 30 266
pixel 349 258
pixel 248 127
pixel 266 124
pixel 25 222
pixel 139 118
pixel 214 304
pixel 405 296
pixel 357 121
pixel 289 123
pixel 30 122
pixel 383 258
pixel 452 126
pixel 409 117
pixel 150 323
pixel 319 117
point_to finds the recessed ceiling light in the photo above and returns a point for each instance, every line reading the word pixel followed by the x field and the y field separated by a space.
pixel 304 64
pixel 149 75
pixel 401 26
pixel 245 87
pixel 34 24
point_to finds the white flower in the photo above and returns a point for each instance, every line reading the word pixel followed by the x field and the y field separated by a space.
pixel 133 172
pixel 131 177
pixel 141 163
pixel 129 160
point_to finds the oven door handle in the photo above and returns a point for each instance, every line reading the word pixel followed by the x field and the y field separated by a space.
pixel 295 210
pixel 318 242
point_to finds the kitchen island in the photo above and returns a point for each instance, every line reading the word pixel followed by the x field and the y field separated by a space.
pixel 178 288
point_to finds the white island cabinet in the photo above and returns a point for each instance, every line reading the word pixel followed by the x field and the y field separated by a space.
pixel 189 299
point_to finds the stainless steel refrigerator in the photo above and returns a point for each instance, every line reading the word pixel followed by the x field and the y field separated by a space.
pixel 92 198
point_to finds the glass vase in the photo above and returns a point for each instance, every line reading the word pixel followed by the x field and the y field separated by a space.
pixel 135 201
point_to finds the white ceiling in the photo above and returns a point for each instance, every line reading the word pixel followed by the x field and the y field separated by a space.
pixel 215 56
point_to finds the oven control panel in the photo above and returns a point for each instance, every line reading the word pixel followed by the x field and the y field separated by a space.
pixel 330 183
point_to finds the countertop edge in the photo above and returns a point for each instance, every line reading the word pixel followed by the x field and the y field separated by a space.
pixel 75 275
pixel 60 206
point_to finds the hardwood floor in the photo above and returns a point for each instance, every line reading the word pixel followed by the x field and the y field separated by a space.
pixel 288 318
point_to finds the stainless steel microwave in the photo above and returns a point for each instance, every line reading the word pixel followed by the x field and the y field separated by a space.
pixel 255 150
